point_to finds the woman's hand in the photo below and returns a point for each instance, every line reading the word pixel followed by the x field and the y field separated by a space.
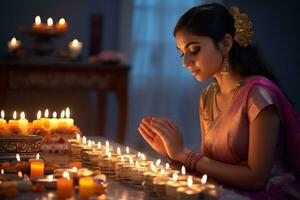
pixel 169 137
pixel 151 137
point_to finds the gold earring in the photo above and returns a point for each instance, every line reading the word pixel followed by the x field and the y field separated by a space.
pixel 226 66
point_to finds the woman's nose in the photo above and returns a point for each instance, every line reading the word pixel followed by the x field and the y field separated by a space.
pixel 187 62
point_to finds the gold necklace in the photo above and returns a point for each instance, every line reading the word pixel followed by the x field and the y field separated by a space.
pixel 235 91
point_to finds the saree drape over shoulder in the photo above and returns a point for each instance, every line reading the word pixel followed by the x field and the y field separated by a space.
pixel 225 136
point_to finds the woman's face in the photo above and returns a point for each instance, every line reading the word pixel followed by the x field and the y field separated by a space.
pixel 200 55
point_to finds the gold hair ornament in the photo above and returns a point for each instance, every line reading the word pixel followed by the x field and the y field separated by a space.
pixel 243 27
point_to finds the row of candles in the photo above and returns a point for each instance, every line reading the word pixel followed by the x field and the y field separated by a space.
pixel 64 180
pixel 75 46
pixel 65 121
pixel 61 25
pixel 156 179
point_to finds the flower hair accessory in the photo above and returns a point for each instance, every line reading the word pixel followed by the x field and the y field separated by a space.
pixel 243 27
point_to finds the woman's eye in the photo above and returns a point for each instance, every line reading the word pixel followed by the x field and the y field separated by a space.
pixel 195 50
pixel 181 54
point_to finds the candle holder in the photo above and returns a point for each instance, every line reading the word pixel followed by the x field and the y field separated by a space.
pixel 43 39
pixel 26 146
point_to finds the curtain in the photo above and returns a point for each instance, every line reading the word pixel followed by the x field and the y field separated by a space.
pixel 159 85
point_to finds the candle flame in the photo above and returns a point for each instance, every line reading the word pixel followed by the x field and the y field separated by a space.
pixel 127 150
pixel 99 145
pixel 107 143
pixel 50 178
pixel 167 166
pixel 38 20
pixel 131 161
pixel 2 114
pixel 157 163
pixel 122 159
pixel 109 154
pixel 46 113
pixel 137 163
pixel 190 181
pixel 68 112
pixel 37 156
pixel 118 151
pixel 143 156
pixel 20 174
pixel 153 168
pixel 139 154
pixel 74 169
pixel 93 142
pixel 175 177
pixel 84 140
pixel 66 174
pixel 50 21
pixel 54 115
pixel 162 171
pixel 62 114
pixel 89 143
pixel 39 115
pixel 18 157
pixel 2 171
pixel 75 43
pixel 77 136
pixel 15 115
pixel 62 21
pixel 204 179
pixel 22 115
pixel 183 172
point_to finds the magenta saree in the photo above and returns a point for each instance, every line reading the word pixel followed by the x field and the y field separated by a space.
pixel 226 137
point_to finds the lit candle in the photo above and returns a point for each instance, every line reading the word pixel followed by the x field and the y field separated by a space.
pixel 13 44
pixel 53 121
pixel 23 124
pixel 70 121
pixel 2 120
pixel 75 48
pixel 191 191
pixel 13 123
pixel 37 24
pixel 64 186
pixel 45 120
pixel 86 187
pixel 37 123
pixel 36 167
pixel 62 25
pixel 62 122
pixel 49 23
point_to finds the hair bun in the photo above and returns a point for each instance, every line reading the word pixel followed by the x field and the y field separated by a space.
pixel 243 27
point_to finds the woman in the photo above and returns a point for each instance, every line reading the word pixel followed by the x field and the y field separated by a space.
pixel 250 132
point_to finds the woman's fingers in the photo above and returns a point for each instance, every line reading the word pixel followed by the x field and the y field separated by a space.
pixel 145 135
pixel 147 129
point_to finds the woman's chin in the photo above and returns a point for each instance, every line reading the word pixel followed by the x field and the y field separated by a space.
pixel 200 78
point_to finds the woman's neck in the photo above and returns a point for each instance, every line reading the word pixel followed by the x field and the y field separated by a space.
pixel 227 83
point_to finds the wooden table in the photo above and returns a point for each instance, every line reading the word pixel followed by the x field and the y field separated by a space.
pixel 101 78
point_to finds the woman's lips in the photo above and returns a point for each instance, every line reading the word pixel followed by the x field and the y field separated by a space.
pixel 195 72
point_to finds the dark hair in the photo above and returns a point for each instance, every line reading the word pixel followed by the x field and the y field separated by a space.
pixel 214 20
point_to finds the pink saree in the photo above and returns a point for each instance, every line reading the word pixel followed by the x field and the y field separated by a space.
pixel 225 137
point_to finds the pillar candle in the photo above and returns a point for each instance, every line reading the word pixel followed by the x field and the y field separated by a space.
pixel 36 167
pixel 53 121
pixel 64 186
pixel 86 187
pixel 62 123
pixel 13 123
pixel 23 124
pixel 37 123
pixel 70 121
pixel 45 120
pixel 2 120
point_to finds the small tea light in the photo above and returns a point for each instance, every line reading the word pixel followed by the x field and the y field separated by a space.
pixel 64 186
pixel 45 120
pixel 75 48
pixel 13 44
pixel 49 23
pixel 23 124
pixel 192 191
pixel 13 123
pixel 37 123
pixel 70 121
pixel 2 120
pixel 37 26
pixel 53 121
pixel 62 25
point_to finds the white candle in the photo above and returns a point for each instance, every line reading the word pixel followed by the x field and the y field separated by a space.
pixel 75 48
pixel 53 121
pixel 70 121
pixel 49 23
pixel 23 124
pixel 13 44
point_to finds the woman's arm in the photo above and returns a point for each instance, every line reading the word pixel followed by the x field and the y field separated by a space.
pixel 263 135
